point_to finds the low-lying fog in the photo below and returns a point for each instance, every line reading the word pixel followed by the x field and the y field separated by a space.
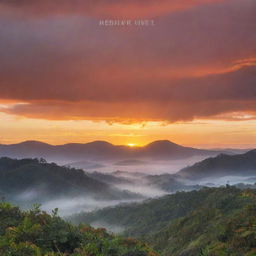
pixel 133 176
pixel 134 165
pixel 230 180
pixel 69 206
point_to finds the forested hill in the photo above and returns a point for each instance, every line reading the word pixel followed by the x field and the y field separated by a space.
pixel 208 222
pixel 222 165
pixel 35 180
pixel 36 233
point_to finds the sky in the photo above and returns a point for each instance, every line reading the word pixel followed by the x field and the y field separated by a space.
pixel 189 77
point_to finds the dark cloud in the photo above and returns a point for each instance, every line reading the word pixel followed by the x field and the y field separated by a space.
pixel 103 8
pixel 196 98
pixel 193 64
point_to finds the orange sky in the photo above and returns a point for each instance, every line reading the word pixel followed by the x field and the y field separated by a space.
pixel 190 78
pixel 199 133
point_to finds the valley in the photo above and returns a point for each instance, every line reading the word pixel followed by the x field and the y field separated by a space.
pixel 179 213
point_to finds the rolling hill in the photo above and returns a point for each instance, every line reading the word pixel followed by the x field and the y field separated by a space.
pixel 33 180
pixel 222 165
pixel 208 222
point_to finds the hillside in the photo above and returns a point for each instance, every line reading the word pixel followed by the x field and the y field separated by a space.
pixel 100 150
pixel 33 180
pixel 222 165
pixel 36 233
pixel 210 232
pixel 212 221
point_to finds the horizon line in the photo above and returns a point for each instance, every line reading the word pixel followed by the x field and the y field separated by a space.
pixel 197 146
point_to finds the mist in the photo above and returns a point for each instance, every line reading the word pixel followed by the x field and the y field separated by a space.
pixel 143 189
pixel 69 206
pixel 230 180
pixel 110 227
pixel 134 165
pixel 108 183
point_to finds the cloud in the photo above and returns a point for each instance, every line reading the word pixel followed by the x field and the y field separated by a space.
pixel 100 8
pixel 199 63
pixel 186 99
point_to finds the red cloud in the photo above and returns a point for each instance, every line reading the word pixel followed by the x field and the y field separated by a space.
pixel 194 98
pixel 133 112
pixel 194 64
pixel 102 8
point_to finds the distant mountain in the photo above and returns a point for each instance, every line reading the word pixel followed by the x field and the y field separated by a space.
pixel 222 165
pixel 100 150
pixel 164 149
pixel 32 180
pixel 66 153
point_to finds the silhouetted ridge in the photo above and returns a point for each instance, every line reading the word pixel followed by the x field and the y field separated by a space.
pixel 222 165
pixel 99 150
pixel 33 143
pixel 162 143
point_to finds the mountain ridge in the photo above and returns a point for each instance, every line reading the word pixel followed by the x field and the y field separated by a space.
pixel 100 150
pixel 222 165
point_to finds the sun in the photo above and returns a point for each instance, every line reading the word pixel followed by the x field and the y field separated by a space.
pixel 131 145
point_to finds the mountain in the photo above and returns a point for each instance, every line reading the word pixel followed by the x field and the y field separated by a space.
pixel 222 165
pixel 67 152
pixel 164 149
pixel 208 222
pixel 100 150
pixel 35 181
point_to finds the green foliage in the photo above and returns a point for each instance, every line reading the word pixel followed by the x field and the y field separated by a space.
pixel 224 226
pixel 209 222
pixel 36 233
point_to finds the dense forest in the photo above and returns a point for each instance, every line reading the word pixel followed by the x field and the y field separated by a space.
pixel 36 233
pixel 203 222
pixel 208 222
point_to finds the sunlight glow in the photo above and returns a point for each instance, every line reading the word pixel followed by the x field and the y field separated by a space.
pixel 131 145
